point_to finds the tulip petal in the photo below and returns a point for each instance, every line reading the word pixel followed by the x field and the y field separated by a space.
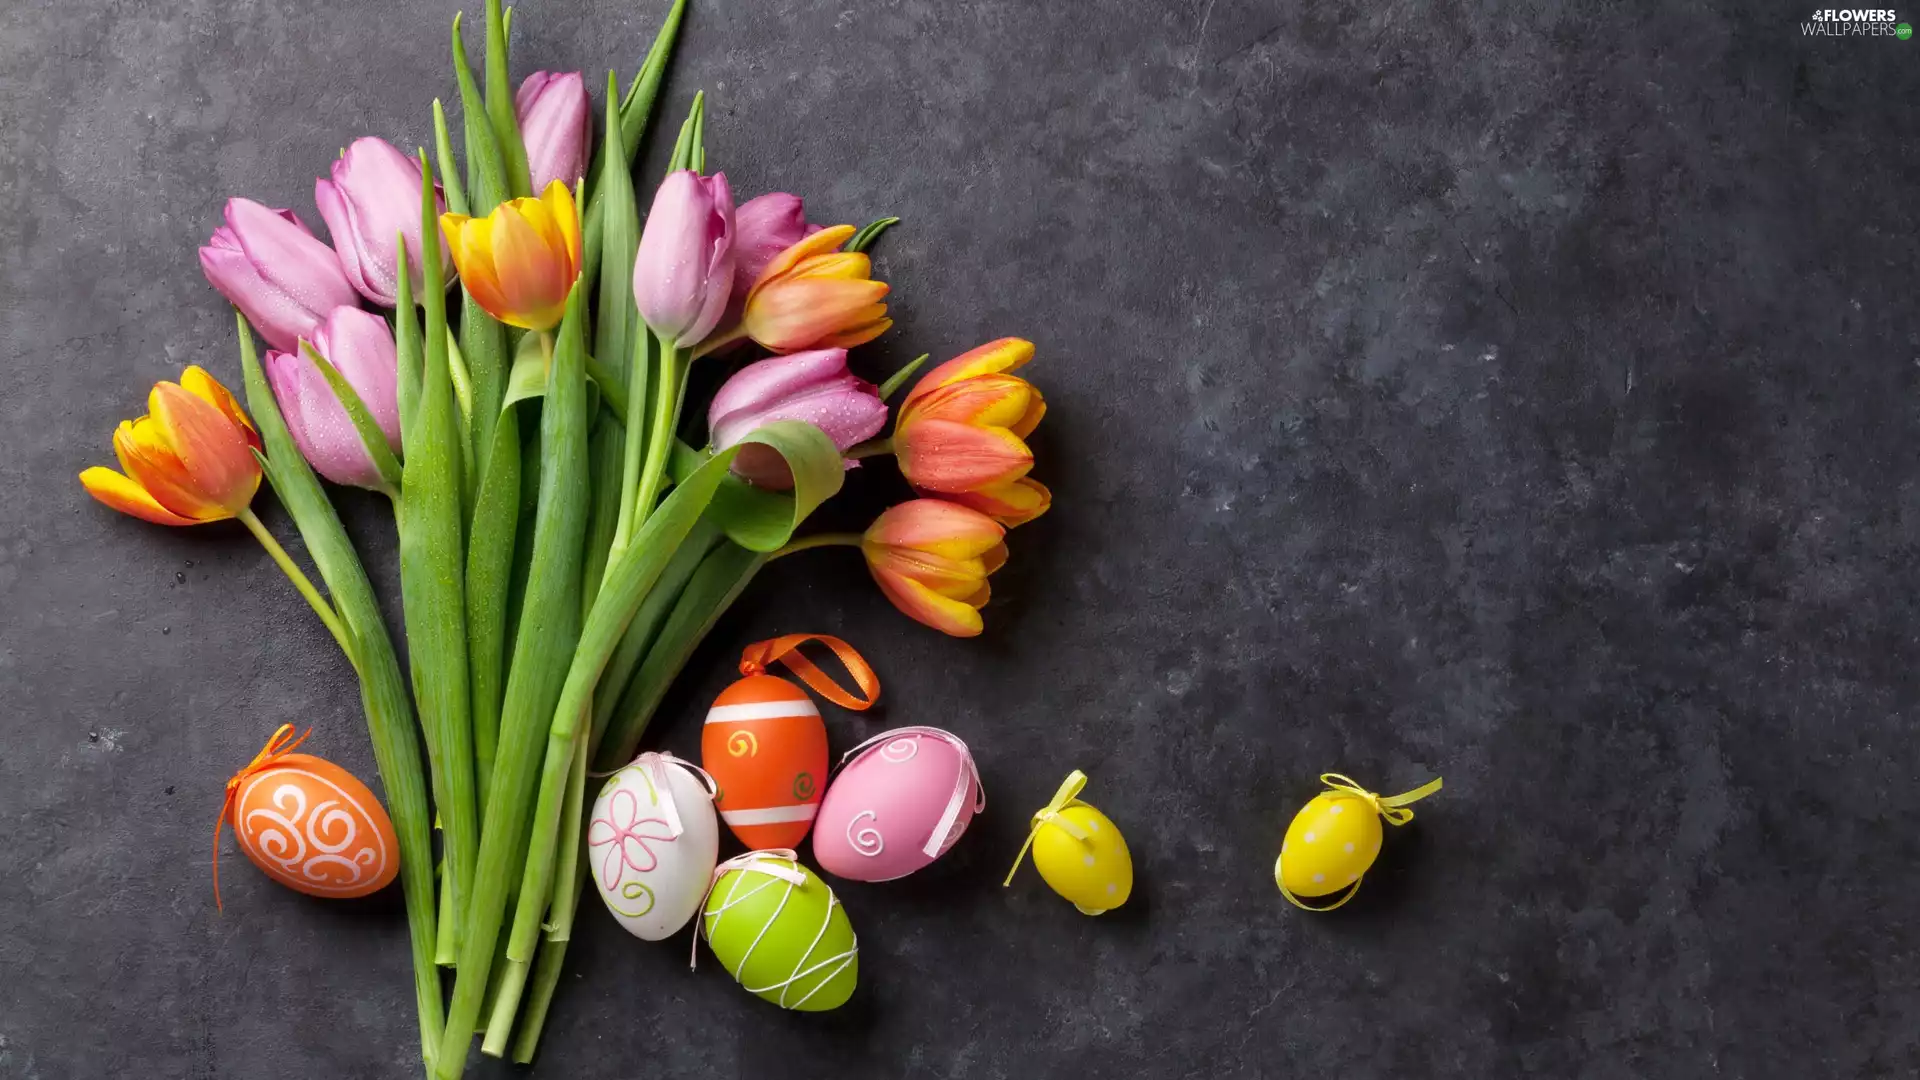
pixel 1010 504
pixel 799 312
pixel 532 289
pixel 861 334
pixel 558 198
pixel 150 462
pixel 815 244
pixel 937 527
pixel 944 456
pixel 994 358
pixel 124 495
pixel 195 380
pixel 216 455
pixel 1036 408
pixel 472 246
pixel 984 400
pixel 921 604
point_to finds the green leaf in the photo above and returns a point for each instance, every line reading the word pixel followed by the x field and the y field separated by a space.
pixel 616 318
pixel 870 232
pixel 456 191
pixel 506 128
pixel 899 378
pixel 640 633
pixel 490 548
pixel 764 520
pixel 636 109
pixel 364 425
pixel 430 521
pixel 383 691
pixel 486 173
pixel 548 626
pixel 406 342
pixel 712 589
pixel 532 364
pixel 604 455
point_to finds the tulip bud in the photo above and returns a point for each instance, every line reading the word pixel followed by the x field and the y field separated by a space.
pixel 190 460
pixel 932 559
pixel 812 386
pixel 359 345
pixel 963 430
pixel 373 197
pixel 815 296
pixel 557 124
pixel 280 276
pixel 520 262
pixel 683 272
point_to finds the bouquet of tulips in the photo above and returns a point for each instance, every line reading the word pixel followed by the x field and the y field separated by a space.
pixel 562 549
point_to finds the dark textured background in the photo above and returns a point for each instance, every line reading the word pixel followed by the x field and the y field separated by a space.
pixel 1519 393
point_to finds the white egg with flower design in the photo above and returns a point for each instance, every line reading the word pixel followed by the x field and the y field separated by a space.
pixel 652 843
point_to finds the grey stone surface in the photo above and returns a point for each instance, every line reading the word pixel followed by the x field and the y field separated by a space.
pixel 1515 392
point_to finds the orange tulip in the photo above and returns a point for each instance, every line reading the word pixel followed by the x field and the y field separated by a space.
pixel 520 261
pixel 188 461
pixel 962 433
pixel 932 559
pixel 815 296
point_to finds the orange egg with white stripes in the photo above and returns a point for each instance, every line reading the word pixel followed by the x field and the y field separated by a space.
pixel 766 746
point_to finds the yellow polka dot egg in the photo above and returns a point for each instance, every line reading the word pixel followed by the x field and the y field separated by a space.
pixel 1095 874
pixel 1079 852
pixel 1332 842
pixel 1335 837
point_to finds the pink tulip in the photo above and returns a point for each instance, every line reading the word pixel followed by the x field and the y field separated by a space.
pixel 683 273
pixel 557 124
pixel 763 227
pixel 812 386
pixel 373 198
pixel 360 346
pixel 280 276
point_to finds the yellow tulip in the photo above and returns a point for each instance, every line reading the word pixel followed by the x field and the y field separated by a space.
pixel 520 261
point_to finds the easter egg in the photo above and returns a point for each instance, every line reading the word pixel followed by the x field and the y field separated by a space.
pixel 309 825
pixel 766 747
pixel 898 804
pixel 652 842
pixel 1095 873
pixel 781 933
pixel 1331 843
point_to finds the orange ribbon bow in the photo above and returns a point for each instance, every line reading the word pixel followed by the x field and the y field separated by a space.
pixel 280 745
pixel 757 657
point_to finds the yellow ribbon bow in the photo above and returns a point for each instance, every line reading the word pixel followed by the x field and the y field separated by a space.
pixel 1075 782
pixel 282 743
pixel 1392 808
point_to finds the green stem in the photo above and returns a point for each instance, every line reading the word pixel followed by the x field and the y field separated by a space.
pixel 667 396
pixel 870 448
pixel 637 433
pixel 721 340
pixel 818 540
pixel 301 582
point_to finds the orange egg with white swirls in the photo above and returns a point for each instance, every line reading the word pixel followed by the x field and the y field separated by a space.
pixel 766 747
pixel 309 825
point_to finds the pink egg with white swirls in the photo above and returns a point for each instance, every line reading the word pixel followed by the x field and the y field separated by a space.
pixel 900 801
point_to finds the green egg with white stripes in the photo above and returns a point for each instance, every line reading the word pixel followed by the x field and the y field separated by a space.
pixel 781 932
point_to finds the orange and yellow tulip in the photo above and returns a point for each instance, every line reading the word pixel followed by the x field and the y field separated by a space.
pixel 188 461
pixel 932 559
pixel 520 261
pixel 815 296
pixel 962 433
